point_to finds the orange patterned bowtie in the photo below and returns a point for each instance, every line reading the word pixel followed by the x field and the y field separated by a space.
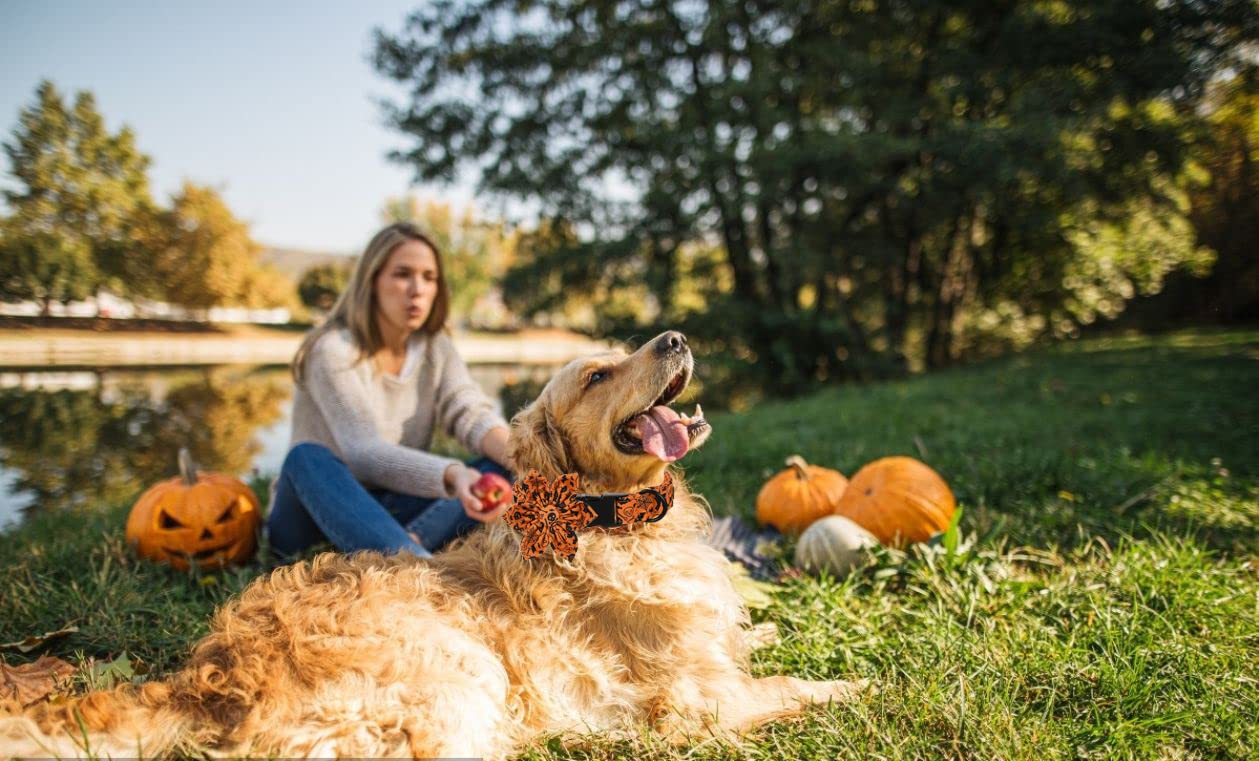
pixel 549 514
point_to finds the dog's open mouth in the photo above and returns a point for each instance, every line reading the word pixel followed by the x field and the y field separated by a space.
pixel 659 430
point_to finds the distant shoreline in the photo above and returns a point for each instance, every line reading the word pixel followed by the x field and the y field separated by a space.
pixel 31 347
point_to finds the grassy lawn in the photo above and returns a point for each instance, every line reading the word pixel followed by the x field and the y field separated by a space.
pixel 1107 608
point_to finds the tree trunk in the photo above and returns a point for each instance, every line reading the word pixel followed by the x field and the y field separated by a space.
pixel 781 300
pixel 733 232
pixel 952 284
pixel 895 288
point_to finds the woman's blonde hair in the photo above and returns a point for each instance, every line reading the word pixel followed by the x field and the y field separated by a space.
pixel 355 308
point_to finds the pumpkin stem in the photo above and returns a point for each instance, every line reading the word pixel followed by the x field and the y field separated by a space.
pixel 187 468
pixel 797 462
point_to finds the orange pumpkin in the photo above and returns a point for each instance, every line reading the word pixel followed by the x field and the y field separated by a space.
pixel 899 500
pixel 799 495
pixel 209 518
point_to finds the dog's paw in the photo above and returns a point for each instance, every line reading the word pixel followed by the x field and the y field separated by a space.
pixel 763 635
pixel 838 691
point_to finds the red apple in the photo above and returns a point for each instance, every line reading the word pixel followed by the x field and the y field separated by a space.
pixel 492 489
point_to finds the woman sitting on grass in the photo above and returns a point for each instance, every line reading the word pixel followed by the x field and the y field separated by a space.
pixel 373 381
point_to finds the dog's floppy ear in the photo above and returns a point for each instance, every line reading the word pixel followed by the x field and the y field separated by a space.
pixel 535 443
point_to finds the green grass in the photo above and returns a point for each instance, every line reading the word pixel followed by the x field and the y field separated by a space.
pixel 1108 606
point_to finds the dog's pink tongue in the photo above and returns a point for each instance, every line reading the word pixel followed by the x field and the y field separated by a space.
pixel 664 434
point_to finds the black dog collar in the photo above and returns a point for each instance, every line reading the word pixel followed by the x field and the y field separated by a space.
pixel 550 513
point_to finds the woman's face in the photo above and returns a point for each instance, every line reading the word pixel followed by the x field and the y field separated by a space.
pixel 406 287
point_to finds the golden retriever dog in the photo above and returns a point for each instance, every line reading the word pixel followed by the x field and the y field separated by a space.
pixel 477 651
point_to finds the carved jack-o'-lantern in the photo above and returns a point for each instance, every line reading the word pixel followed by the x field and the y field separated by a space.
pixel 209 518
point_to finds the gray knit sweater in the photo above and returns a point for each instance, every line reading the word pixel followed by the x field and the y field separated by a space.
pixel 380 424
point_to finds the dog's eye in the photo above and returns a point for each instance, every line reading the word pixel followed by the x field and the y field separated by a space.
pixel 596 376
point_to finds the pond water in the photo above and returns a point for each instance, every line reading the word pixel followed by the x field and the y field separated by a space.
pixel 91 437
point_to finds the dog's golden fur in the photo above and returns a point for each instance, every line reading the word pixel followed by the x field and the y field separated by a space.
pixel 478 651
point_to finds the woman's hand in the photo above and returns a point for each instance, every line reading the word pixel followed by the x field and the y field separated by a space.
pixel 459 479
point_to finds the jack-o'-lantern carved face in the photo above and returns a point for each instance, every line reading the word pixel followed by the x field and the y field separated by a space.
pixel 208 518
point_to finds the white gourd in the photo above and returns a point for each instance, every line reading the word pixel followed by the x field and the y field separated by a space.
pixel 834 544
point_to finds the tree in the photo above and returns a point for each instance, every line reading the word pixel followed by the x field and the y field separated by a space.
pixel 872 172
pixel 204 256
pixel 1113 262
pixel 265 287
pixel 1225 207
pixel 617 298
pixel 43 266
pixel 79 187
pixel 322 284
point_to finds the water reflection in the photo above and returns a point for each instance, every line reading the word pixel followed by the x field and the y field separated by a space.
pixel 92 438
pixel 68 443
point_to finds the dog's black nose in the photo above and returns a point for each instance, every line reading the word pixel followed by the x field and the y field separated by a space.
pixel 672 342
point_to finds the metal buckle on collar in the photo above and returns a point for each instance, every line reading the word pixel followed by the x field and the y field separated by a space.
pixel 604 506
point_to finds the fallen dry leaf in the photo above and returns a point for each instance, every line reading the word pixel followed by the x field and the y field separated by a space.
pixel 31 682
pixel 28 644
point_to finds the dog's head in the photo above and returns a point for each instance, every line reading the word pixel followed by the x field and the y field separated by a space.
pixel 607 418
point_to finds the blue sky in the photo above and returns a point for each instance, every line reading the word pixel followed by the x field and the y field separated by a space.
pixel 273 103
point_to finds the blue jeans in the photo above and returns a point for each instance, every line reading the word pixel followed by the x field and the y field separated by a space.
pixel 317 499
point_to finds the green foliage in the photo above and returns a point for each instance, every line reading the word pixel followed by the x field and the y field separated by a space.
pixel 266 287
pixel 871 173
pixel 78 190
pixel 82 218
pixel 615 293
pixel 321 285
pixel 1113 262
pixel 43 266
pixel 206 253
pixel 201 255
pixel 1221 185
pixel 1225 209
